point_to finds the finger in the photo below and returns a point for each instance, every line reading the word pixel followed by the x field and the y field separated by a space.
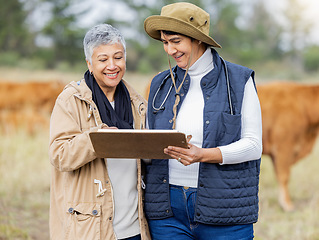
pixel 106 127
pixel 174 155
pixel 184 162
pixel 180 150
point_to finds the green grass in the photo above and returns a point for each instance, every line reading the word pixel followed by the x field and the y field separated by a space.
pixel 24 186
pixel 301 224
pixel 25 181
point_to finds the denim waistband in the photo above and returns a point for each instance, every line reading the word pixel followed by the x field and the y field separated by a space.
pixel 182 187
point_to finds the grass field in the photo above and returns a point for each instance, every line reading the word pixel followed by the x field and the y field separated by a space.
pixel 25 183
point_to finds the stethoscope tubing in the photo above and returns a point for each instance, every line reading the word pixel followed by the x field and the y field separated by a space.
pixel 171 87
pixel 228 87
pixel 167 94
pixel 161 106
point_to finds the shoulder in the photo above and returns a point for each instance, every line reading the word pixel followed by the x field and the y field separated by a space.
pixel 74 88
pixel 157 80
pixel 237 69
pixel 67 92
pixel 134 95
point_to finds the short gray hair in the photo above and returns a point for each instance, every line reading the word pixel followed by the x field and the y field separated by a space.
pixel 101 34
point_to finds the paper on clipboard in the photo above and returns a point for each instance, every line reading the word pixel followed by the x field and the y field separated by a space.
pixel 131 143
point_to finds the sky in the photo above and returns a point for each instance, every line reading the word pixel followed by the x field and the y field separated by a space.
pixel 311 13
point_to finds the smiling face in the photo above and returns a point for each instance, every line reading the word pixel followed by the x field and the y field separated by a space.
pixel 180 48
pixel 108 67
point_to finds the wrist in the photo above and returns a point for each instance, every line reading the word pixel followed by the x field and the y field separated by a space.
pixel 212 155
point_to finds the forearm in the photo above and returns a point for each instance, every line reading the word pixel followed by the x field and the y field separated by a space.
pixel 211 155
pixel 71 153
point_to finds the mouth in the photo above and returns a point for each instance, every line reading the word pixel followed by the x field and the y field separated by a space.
pixel 111 75
pixel 177 57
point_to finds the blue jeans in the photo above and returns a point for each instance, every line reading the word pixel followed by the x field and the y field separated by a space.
pixel 183 227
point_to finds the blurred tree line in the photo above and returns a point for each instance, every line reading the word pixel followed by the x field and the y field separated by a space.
pixel 48 34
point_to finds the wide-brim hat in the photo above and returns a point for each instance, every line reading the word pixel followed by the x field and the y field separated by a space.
pixel 183 18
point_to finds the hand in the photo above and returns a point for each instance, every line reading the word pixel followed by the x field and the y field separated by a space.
pixel 107 127
pixel 186 156
pixel 193 154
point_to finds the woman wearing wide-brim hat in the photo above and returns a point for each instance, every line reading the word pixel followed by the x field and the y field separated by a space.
pixel 210 190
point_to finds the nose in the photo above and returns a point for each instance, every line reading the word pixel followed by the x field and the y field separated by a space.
pixel 170 49
pixel 111 64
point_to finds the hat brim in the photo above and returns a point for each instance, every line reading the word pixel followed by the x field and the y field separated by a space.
pixel 154 24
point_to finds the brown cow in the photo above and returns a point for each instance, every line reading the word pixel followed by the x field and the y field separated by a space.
pixel 15 95
pixel 290 114
pixel 27 105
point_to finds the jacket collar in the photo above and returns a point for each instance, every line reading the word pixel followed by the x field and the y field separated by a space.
pixel 213 75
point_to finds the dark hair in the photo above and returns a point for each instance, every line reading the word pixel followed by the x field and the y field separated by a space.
pixel 173 33
pixel 176 33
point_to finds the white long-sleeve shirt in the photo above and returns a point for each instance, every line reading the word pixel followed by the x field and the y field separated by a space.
pixel 123 177
pixel 190 121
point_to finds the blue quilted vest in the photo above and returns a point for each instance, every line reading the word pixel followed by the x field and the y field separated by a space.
pixel 226 194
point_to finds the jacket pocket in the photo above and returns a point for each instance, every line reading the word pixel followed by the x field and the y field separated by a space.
pixel 230 130
pixel 83 221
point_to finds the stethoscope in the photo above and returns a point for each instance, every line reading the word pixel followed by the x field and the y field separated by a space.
pixel 161 107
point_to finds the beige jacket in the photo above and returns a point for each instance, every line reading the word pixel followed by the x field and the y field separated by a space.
pixel 75 210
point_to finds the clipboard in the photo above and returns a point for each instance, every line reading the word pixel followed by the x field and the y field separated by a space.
pixel 130 143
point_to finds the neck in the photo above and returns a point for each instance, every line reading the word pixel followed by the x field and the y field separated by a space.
pixel 201 49
pixel 203 65
pixel 198 53
pixel 109 93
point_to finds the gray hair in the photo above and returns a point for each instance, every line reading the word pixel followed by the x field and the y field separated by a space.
pixel 101 34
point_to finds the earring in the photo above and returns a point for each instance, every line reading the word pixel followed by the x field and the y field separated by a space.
pixel 91 73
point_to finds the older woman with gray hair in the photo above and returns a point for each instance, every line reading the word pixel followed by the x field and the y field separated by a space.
pixel 96 198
